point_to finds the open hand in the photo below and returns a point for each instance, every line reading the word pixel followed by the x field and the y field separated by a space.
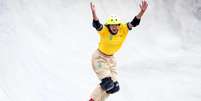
pixel 93 8
pixel 143 5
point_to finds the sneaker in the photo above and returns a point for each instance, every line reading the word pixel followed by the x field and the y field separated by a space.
pixel 91 99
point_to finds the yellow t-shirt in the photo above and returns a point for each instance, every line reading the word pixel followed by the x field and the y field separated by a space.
pixel 109 44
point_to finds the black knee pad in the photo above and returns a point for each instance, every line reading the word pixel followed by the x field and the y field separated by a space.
pixel 107 84
pixel 115 89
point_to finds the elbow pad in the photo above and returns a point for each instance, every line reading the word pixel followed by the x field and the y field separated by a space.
pixel 97 25
pixel 135 22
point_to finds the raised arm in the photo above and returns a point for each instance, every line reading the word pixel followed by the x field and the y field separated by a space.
pixel 96 24
pixel 93 11
pixel 143 8
pixel 136 21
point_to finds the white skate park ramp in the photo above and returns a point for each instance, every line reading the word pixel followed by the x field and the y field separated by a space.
pixel 46 48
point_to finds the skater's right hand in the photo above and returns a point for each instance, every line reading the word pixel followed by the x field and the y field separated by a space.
pixel 93 8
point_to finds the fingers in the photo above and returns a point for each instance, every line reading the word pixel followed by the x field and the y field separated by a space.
pixel 92 5
pixel 142 3
pixel 93 8
pixel 145 3
pixel 140 6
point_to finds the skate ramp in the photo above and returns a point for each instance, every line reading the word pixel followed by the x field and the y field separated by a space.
pixel 46 47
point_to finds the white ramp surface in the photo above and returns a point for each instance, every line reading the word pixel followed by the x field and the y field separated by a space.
pixel 46 48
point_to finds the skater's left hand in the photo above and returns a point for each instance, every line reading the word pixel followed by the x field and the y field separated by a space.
pixel 143 5
pixel 143 8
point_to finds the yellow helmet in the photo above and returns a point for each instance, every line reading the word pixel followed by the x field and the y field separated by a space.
pixel 112 20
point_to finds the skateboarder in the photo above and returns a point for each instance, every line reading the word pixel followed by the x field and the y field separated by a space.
pixel 112 35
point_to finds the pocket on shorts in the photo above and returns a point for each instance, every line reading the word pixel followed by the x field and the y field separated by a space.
pixel 101 67
pixel 99 63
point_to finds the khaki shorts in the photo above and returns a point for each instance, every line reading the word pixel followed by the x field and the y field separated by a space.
pixel 103 66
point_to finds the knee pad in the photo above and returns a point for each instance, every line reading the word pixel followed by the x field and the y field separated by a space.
pixel 107 84
pixel 115 89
